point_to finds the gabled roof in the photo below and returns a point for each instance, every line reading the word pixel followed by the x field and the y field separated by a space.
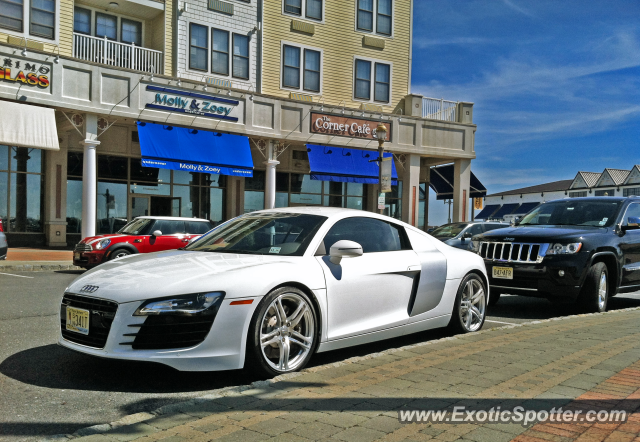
pixel 555 186
pixel 585 180
pixel 612 177
pixel 634 175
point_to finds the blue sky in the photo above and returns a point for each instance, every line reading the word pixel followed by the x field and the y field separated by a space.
pixel 556 84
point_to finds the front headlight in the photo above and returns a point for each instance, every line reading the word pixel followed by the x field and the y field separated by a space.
pixel 182 305
pixel 103 244
pixel 564 249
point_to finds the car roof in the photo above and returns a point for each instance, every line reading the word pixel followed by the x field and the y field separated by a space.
pixel 171 218
pixel 329 212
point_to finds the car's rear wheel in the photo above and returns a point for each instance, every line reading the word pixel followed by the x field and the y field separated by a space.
pixel 119 253
pixel 283 332
pixel 469 310
pixel 595 291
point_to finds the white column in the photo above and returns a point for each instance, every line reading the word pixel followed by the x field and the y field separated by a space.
pixel 461 185
pixel 270 177
pixel 89 176
pixel 411 189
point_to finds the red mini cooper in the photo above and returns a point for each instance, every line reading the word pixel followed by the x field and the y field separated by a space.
pixel 144 234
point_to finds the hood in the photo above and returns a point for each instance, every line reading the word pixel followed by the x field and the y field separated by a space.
pixel 94 239
pixel 548 233
pixel 170 273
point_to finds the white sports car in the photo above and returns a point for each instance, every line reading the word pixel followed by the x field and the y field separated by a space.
pixel 268 289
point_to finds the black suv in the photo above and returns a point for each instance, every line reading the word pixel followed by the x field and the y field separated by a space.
pixel 574 249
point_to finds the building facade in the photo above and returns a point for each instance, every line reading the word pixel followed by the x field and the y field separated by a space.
pixel 287 77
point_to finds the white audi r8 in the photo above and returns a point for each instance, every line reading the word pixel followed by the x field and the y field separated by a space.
pixel 268 289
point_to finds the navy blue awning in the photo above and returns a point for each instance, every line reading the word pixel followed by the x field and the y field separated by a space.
pixel 525 208
pixel 346 165
pixel 441 182
pixel 507 209
pixel 487 211
pixel 194 150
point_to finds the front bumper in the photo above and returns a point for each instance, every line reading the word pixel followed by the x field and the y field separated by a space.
pixel 88 259
pixel 542 280
pixel 222 349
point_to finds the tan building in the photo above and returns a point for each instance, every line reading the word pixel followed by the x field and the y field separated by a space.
pixel 290 78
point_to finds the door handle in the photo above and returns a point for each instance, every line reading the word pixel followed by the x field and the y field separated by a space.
pixel 414 268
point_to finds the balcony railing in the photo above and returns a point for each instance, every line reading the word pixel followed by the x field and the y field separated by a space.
pixel 439 109
pixel 113 53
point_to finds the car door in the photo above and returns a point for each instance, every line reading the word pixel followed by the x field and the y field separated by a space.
pixel 630 246
pixel 173 236
pixel 370 292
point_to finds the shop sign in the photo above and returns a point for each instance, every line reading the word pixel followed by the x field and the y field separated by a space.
pixel 385 166
pixel 477 203
pixel 27 72
pixel 346 126
pixel 175 100
pixel 381 201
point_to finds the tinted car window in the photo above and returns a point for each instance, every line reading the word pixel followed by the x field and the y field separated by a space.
pixel 475 229
pixel 632 217
pixel 573 213
pixel 168 227
pixel 372 234
pixel 138 226
pixel 449 230
pixel 198 228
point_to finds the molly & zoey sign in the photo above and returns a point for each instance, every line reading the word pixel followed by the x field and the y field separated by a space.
pixel 346 127
pixel 175 100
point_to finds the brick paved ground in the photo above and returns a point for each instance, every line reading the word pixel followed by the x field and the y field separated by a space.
pixel 24 254
pixel 579 362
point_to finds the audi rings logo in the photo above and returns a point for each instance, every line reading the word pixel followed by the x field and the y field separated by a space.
pixel 89 289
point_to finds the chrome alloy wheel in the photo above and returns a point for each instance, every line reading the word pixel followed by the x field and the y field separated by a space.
pixel 120 254
pixel 286 332
pixel 472 305
pixel 602 291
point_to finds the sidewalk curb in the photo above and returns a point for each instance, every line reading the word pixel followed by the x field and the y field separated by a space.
pixel 234 391
pixel 36 267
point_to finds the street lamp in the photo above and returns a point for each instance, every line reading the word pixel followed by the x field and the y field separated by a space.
pixel 381 135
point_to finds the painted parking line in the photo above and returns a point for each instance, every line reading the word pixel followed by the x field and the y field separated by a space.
pixel 500 322
pixel 19 276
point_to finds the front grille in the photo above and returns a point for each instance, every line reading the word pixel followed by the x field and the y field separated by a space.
pixel 82 247
pixel 513 252
pixel 165 332
pixel 101 314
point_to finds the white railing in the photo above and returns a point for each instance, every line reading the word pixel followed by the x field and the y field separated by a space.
pixel 439 109
pixel 113 53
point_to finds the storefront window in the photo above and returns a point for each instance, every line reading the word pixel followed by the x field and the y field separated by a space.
pixel 111 206
pixel 393 202
pixel 189 198
pixel 74 204
pixel 212 204
pixel 21 189
pixel 422 204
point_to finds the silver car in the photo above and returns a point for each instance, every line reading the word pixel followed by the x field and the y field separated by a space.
pixel 459 235
pixel 3 243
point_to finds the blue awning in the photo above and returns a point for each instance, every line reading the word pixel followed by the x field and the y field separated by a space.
pixel 346 165
pixel 487 211
pixel 194 150
pixel 525 208
pixel 505 210
pixel 441 181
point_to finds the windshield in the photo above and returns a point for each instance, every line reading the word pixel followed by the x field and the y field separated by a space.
pixel 138 226
pixel 573 213
pixel 262 234
pixel 449 230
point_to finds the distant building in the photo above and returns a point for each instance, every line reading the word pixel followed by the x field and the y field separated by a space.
pixel 515 203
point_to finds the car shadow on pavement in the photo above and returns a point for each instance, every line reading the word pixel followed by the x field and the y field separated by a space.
pixel 52 366
pixel 71 272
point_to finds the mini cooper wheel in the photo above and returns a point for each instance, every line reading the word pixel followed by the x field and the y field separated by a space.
pixel 595 291
pixel 119 253
pixel 283 332
pixel 469 310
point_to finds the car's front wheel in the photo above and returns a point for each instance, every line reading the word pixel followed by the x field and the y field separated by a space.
pixel 119 253
pixel 470 308
pixel 595 291
pixel 283 332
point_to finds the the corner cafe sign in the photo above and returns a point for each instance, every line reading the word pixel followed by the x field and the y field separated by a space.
pixel 193 103
pixel 346 127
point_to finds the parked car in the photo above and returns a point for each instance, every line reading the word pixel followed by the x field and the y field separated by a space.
pixel 143 234
pixel 582 250
pixel 459 235
pixel 268 289
pixel 4 247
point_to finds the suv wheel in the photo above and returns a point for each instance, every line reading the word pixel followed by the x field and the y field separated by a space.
pixel 595 291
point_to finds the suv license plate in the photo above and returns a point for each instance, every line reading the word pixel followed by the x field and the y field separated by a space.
pixel 78 320
pixel 503 272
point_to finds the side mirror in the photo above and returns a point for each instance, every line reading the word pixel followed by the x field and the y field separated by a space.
pixel 344 249
pixel 467 235
pixel 630 227
pixel 156 233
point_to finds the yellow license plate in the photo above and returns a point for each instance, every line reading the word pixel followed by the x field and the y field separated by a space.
pixel 78 320
pixel 503 272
